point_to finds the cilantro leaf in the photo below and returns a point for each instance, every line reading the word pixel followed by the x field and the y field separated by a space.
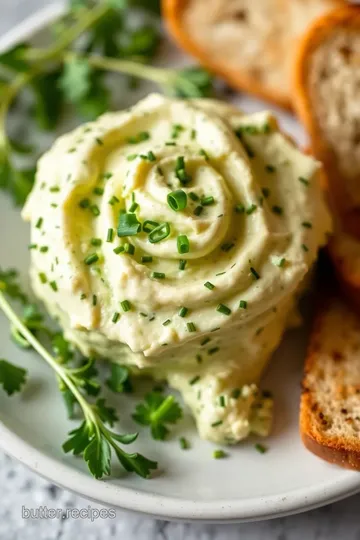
pixel 107 414
pixel 136 463
pixel 62 349
pixel 69 401
pixel 157 411
pixel 12 377
pixel 119 380
pixel 97 456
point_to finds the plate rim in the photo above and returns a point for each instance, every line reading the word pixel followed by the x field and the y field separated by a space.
pixel 163 507
pixel 216 511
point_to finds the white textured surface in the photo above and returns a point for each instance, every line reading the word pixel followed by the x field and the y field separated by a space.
pixel 20 487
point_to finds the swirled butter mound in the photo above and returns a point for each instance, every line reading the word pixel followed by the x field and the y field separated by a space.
pixel 196 287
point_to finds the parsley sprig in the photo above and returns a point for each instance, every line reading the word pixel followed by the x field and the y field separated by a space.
pixel 157 411
pixel 93 38
pixel 93 439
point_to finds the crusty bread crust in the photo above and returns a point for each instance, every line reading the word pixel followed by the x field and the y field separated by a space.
pixel 337 367
pixel 239 78
pixel 346 19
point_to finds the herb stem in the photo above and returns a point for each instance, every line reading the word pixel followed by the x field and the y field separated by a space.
pixel 25 332
pixel 164 407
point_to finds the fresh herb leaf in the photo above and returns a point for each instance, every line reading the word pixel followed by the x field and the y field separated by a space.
pixel 12 377
pixel 157 411
pixel 119 380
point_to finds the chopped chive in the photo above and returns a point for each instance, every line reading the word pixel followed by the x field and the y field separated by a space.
pixel 307 224
pixel 180 171
pixel 194 380
pixel 277 210
pixel 193 134
pixel 125 304
pixel 158 275
pixel 198 358
pixel 150 156
pixel 82 296
pixel 54 189
pixel 304 247
pixel 91 259
pixel 254 272
pixel 32 246
pixel 42 277
pixel 44 249
pixel 113 200
pixel 235 394
pixel 260 448
pixel 184 443
pixel 160 232
pixel 183 244
pixel 131 157
pixel 54 286
pixel 107 175
pixel 177 200
pixel 94 300
pixel 209 285
pixel 213 351
pixel 98 190
pixel 207 201
pixel 140 137
pixel 95 210
pixel 193 196
pixel 251 209
pixel 182 264
pixel 205 341
pixel 266 192
pixel 183 311
pixel 198 210
pixel 96 242
pixel 304 181
pixel 219 454
pixel 118 249
pixel 39 223
pixel 129 248
pixel 220 273
pixel 149 225
pixel 225 310
pixel 215 329
pixel 110 235
pixel 191 327
pixel 227 246
pixel 133 207
pixel 115 317
pixel 146 259
pixel 270 168
pixel 239 208
pixel 99 141
pixel 243 304
pixel 143 314
pixel 280 262
pixel 176 130
pixel 203 153
pixel 128 225
pixel 167 322
pixel 222 401
pixel 218 423
pixel 170 143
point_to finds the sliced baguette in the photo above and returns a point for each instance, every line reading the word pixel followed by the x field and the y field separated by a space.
pixel 249 44
pixel 326 92
pixel 330 402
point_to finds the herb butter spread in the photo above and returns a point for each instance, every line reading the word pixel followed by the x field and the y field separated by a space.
pixel 173 237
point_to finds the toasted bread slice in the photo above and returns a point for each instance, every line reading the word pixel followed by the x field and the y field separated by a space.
pixel 249 44
pixel 326 84
pixel 330 402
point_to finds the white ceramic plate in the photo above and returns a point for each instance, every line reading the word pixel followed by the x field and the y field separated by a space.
pixel 190 485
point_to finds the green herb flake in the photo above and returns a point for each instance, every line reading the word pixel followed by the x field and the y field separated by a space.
pixel 219 454
pixel 261 448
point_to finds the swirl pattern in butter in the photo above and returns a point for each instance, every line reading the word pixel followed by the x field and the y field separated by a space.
pixel 173 237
